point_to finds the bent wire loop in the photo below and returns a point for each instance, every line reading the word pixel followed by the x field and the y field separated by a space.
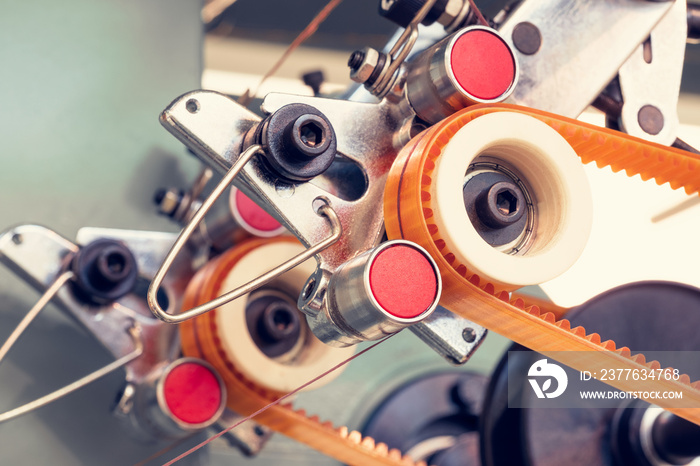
pixel 67 389
pixel 158 311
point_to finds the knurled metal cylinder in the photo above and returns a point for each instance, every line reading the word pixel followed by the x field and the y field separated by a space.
pixel 185 396
pixel 357 292
pixel 473 65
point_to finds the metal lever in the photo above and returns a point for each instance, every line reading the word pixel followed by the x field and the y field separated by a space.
pixel 63 391
pixel 226 181
pixel 400 50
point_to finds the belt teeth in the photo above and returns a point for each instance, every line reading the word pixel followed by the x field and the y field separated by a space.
pixel 639 358
pixel 355 437
pixel 368 443
pixel 565 324
pixel 541 331
pixel 608 345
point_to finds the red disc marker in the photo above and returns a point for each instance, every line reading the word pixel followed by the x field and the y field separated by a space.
pixel 483 64
pixel 253 215
pixel 192 393
pixel 403 281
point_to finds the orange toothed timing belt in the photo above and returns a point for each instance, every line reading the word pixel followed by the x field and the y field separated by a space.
pixel 408 214
pixel 246 398
pixel 519 321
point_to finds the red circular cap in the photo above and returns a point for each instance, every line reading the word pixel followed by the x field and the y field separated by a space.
pixel 192 393
pixel 483 64
pixel 254 215
pixel 403 281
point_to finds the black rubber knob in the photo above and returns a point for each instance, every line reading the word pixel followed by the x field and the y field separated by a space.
pixel 299 142
pixel 676 440
pixel 693 21
pixel 274 323
pixel 402 12
pixel 105 270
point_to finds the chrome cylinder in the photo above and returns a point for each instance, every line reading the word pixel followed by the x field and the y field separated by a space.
pixel 173 401
pixel 473 65
pixel 368 300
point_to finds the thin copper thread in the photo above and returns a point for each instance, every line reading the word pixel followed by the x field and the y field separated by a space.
pixel 476 10
pixel 276 402
pixel 308 31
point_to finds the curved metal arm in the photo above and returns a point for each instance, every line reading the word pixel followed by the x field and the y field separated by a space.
pixel 403 46
pixel 34 311
pixel 159 312
pixel 63 391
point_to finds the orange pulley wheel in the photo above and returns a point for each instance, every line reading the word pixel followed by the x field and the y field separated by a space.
pixel 501 198
pixel 260 341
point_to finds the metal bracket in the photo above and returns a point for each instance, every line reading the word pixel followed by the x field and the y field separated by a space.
pixel 38 255
pixel 451 336
pixel 368 135
pixel 582 45
pixel 650 80
pixel 243 159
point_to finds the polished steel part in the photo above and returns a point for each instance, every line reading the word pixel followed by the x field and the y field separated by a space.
pixel 83 381
pixel 650 80
pixel 152 296
pixel 80 383
pixel 584 43
pixel 354 312
pixel 455 14
pixel 453 337
pixel 369 135
pixel 431 87
pixel 400 51
pixel 126 328
pixel 39 256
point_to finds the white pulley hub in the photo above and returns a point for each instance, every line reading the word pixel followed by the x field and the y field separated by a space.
pixel 555 187
pixel 311 358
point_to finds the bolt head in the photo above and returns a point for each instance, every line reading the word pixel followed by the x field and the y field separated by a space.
pixel 650 119
pixel 502 205
pixel 469 335
pixel 362 73
pixel 527 38
pixel 309 136
pixel 453 8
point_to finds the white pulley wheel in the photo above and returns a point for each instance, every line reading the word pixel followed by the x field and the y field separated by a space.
pixel 313 357
pixel 552 179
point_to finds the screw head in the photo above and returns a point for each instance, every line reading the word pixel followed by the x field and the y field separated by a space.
pixel 527 38
pixel 469 335
pixel 279 321
pixel 502 205
pixel 650 119
pixel 363 64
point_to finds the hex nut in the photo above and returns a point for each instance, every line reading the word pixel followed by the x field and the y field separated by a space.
pixel 363 72
pixel 453 9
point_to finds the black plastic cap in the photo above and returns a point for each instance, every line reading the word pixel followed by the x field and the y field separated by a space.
pixel 402 12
